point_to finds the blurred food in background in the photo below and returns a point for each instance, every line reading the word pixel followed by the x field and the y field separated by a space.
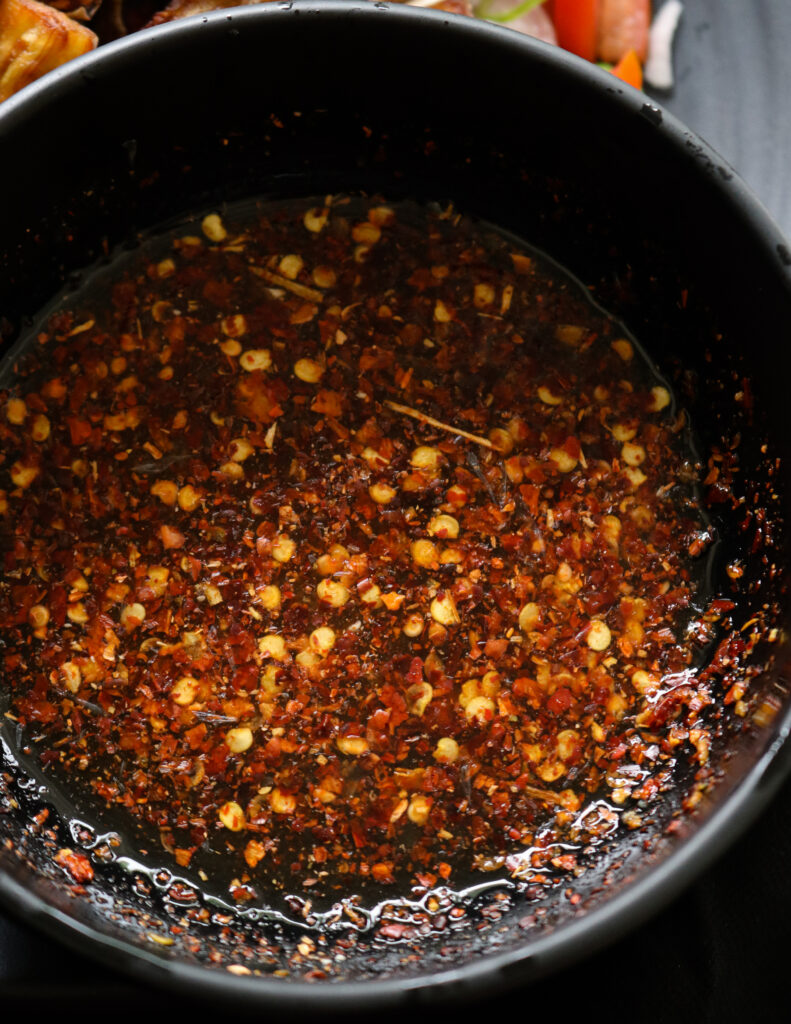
pixel 34 39
pixel 37 37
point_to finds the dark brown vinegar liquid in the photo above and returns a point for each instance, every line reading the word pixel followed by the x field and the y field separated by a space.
pixel 345 543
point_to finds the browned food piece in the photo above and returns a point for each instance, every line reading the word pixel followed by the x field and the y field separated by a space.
pixel 186 8
pixel 75 9
pixel 34 39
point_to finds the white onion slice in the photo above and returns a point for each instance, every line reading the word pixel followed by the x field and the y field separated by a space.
pixel 658 70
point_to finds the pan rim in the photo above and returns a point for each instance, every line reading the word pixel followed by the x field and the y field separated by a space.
pixel 638 899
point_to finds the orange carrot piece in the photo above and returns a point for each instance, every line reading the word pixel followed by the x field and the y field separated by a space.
pixel 629 70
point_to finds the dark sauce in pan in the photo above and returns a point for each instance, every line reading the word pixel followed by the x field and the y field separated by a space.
pixel 349 542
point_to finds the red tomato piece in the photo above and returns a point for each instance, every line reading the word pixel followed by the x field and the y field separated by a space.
pixel 576 26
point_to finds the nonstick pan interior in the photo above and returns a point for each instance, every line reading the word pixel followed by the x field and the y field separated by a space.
pixel 294 100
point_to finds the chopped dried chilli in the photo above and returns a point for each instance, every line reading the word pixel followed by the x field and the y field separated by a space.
pixel 356 530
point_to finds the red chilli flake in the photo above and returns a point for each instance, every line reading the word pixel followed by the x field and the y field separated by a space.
pixel 362 536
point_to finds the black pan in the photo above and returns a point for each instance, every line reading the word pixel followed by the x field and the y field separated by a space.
pixel 294 99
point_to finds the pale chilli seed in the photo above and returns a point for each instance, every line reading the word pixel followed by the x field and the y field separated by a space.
pixel 40 429
pixel 283 548
pixel 443 610
pixel 426 459
pixel 437 634
pixel 457 496
pixel 72 676
pixel 547 396
pixel 273 646
pixel 419 809
pixel 308 659
pixel 414 625
pixel 166 491
pixel 332 593
pixel 308 370
pixel 132 616
pixel 333 560
pixel 635 476
pixel 570 334
pixel 23 476
pixel 633 454
pixel 483 295
pixel 315 219
pixel 642 517
pixel 233 326
pixel 623 348
pixel 529 617
pixel 599 636
pixel 644 682
pixel 354 746
pixel 480 710
pixel 270 597
pixel 16 411
pixel 446 750
pixel 371 594
pixel 322 640
pixel 373 458
pixel 381 216
pixel 424 553
pixel 418 698
pixel 441 313
pixel 623 432
pixel 490 684
pixel 567 742
pixel 213 228
pixel 366 232
pixel 551 771
pixel 382 493
pixel 660 399
pixel 240 449
pixel 253 359
pixel 230 347
pixel 451 556
pixel 445 527
pixel 269 681
pixel 188 498
pixel 290 266
pixel 611 528
pixel 239 740
pixel 324 277
pixel 502 440
pixel 157 578
pixel 77 613
pixel 232 816
pixel 282 803
pixel 38 616
pixel 564 462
